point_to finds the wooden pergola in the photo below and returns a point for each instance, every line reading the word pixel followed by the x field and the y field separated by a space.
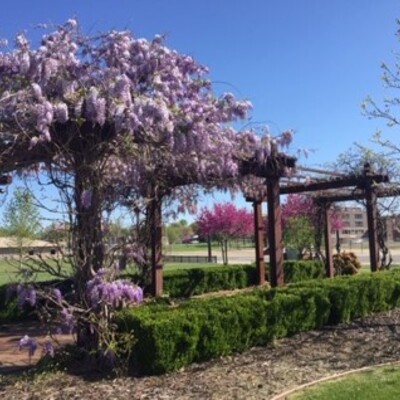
pixel 365 186
pixel 18 154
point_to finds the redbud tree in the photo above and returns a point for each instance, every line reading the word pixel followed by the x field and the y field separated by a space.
pixel 303 223
pixel 225 222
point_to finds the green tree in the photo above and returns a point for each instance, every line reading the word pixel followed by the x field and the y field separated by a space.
pixel 299 234
pixel 21 221
pixel 56 233
pixel 178 231
pixel 22 217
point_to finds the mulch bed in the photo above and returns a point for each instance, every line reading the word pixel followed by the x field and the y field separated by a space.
pixel 259 373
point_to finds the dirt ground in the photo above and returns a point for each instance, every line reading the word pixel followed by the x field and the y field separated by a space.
pixel 11 358
pixel 259 373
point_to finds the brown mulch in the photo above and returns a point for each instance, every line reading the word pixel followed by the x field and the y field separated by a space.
pixel 258 373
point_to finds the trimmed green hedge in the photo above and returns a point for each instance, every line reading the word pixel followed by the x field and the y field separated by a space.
pixel 298 271
pixel 190 282
pixel 186 283
pixel 9 310
pixel 169 338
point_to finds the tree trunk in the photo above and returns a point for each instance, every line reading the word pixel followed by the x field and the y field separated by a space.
pixel 87 245
pixel 209 248
pixel 155 219
pixel 224 251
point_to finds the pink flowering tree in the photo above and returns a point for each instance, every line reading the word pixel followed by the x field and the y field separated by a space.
pixel 302 222
pixel 225 222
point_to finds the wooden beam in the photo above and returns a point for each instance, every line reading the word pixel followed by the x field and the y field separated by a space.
pixel 5 179
pixel 329 268
pixel 372 218
pixel 358 195
pixel 259 239
pixel 319 171
pixel 356 180
pixel 275 233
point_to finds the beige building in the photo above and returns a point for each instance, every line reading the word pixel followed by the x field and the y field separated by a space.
pixel 10 248
pixel 355 224
pixel 393 228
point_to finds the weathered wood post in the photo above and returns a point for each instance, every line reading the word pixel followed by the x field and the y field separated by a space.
pixel 271 171
pixel 329 269
pixel 372 218
pixel 275 232
pixel 259 239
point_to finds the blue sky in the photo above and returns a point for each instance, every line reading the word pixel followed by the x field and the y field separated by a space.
pixel 304 64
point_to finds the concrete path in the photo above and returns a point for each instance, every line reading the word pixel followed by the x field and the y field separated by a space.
pixel 241 256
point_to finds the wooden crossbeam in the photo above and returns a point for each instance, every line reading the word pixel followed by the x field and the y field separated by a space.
pixel 356 180
pixel 356 195
pixel 5 179
pixel 320 171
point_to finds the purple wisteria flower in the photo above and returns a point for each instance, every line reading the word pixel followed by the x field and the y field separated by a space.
pixel 86 198
pixel 67 320
pixel 48 349
pixel 11 291
pixel 28 343
pixel 115 293
pixel 26 294
pixel 56 295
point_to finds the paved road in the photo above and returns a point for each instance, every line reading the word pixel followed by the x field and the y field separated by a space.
pixel 248 255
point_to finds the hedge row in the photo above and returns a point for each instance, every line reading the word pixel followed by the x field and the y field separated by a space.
pixel 187 282
pixel 9 310
pixel 190 282
pixel 169 338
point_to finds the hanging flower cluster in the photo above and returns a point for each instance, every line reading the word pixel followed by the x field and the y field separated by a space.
pixel 116 294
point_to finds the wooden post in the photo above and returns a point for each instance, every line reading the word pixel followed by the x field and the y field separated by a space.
pixel 372 218
pixel 275 232
pixel 329 269
pixel 5 179
pixel 156 248
pixel 259 239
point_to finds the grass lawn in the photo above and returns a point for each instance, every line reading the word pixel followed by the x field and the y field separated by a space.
pixel 379 383
pixel 172 266
pixel 195 248
pixel 9 270
pixel 365 269
pixel 202 247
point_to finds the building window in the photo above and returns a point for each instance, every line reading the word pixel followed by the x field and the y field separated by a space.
pixel 359 223
pixel 358 216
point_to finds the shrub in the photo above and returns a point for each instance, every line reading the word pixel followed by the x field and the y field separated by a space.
pixel 190 282
pixel 186 283
pixel 346 263
pixel 298 271
pixel 169 337
pixel 9 310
